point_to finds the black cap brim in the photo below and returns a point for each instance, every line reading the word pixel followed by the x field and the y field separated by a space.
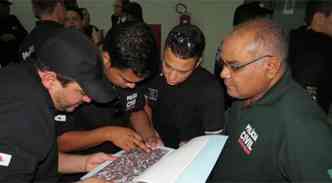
pixel 101 91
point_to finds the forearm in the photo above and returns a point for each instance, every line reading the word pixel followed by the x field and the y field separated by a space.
pixel 79 140
pixel 142 124
pixel 148 111
pixel 71 163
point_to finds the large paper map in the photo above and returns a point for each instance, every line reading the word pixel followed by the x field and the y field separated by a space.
pixel 130 164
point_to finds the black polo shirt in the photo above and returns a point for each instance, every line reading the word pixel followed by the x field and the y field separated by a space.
pixel 94 115
pixel 37 37
pixel 27 129
pixel 186 110
pixel 283 137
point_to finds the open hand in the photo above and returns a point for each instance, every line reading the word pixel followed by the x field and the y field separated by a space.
pixel 153 142
pixel 126 138
pixel 94 160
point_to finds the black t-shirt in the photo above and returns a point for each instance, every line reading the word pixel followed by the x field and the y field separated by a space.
pixel 37 37
pixel 283 137
pixel 27 129
pixel 187 110
pixel 310 60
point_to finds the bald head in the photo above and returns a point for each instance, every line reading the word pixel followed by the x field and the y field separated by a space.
pixel 262 36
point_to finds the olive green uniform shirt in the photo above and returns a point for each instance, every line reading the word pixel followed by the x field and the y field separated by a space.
pixel 283 137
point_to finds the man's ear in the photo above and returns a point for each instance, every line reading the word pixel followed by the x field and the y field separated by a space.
pixel 48 78
pixel 273 66
pixel 106 59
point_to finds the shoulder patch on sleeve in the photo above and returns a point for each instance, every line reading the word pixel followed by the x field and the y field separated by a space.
pixel 5 159
pixel 60 118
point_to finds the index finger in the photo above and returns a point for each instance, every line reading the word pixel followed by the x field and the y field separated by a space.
pixel 140 144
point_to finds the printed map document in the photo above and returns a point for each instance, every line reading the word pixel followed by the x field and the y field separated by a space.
pixel 192 162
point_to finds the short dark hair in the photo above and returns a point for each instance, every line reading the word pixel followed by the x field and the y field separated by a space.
pixel 314 6
pixel 44 7
pixel 131 45
pixel 186 41
pixel 250 11
pixel 75 9
pixel 133 11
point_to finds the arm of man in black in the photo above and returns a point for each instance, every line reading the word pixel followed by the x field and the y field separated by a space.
pixel 210 112
pixel 95 125
pixel 213 110
pixel 135 103
pixel 19 158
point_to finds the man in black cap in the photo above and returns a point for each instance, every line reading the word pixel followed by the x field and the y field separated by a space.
pixel 12 34
pixel 51 14
pixel 65 74
pixel 105 127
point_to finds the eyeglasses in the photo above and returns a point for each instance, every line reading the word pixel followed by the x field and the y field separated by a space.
pixel 236 66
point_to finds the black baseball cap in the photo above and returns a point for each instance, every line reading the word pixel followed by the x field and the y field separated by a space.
pixel 6 2
pixel 71 54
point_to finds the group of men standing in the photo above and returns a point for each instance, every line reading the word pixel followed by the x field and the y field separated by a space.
pixel 67 97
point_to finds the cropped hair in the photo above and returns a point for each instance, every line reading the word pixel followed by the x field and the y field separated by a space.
pixel 44 7
pixel 249 11
pixel 131 45
pixel 76 9
pixel 186 41
pixel 133 11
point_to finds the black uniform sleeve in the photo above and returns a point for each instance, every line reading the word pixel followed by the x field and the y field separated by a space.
pixel 151 89
pixel 21 166
pixel 18 151
pixel 132 99
pixel 305 154
pixel 213 109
